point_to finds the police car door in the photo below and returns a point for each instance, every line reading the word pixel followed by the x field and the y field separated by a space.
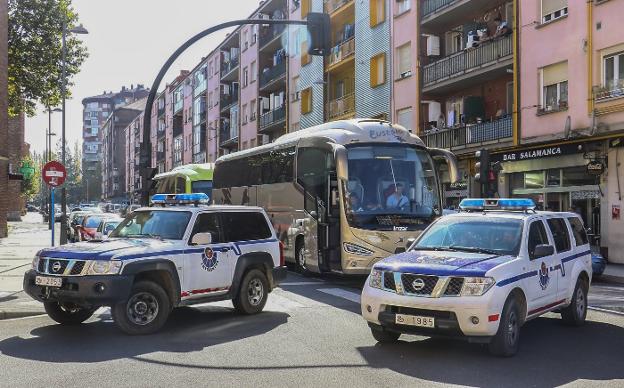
pixel 207 269
pixel 541 285
pixel 559 230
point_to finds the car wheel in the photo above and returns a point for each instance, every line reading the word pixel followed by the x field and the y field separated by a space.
pixel 385 336
pixel 67 313
pixel 145 311
pixel 253 293
pixel 507 339
pixel 576 312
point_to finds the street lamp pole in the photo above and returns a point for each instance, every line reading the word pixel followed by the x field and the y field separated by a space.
pixel 76 30
pixel 48 157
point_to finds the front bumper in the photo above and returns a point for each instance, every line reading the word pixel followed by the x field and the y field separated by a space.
pixel 453 315
pixel 81 290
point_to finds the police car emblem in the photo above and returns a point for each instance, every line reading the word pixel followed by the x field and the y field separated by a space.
pixel 209 259
pixel 543 276
pixel 56 266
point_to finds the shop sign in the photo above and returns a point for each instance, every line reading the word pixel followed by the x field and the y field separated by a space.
pixel 459 185
pixel 538 153
pixel 585 194
pixel 595 167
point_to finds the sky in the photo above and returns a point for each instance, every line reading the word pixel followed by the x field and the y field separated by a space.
pixel 128 42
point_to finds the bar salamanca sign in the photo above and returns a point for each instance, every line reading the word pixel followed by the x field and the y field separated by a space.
pixel 538 153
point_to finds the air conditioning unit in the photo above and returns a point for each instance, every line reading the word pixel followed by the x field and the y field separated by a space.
pixel 433 45
pixel 406 74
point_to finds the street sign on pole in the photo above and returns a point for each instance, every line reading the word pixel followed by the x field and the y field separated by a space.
pixel 52 211
pixel 54 173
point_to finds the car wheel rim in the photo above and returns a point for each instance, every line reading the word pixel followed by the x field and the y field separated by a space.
pixel 255 292
pixel 512 329
pixel 142 308
pixel 580 303
pixel 301 258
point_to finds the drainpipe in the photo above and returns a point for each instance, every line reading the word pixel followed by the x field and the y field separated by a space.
pixel 590 55
pixel 516 78
pixel 418 68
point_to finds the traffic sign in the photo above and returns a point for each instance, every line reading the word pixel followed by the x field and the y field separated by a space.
pixel 54 173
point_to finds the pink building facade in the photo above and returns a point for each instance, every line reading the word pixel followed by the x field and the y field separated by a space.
pixel 405 45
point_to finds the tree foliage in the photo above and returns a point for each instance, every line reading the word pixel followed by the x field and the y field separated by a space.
pixel 35 54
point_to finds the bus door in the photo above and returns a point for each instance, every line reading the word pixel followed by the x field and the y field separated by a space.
pixel 331 226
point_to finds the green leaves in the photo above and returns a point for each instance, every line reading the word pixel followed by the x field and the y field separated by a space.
pixel 35 54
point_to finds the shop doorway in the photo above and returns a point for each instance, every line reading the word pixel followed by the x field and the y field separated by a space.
pixel 557 202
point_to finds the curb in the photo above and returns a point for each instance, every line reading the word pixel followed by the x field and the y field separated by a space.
pixel 10 314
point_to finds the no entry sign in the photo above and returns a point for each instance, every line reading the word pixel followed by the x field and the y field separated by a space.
pixel 54 173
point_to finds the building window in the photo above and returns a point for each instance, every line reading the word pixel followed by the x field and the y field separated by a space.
pixel 245 116
pixel 614 71
pixel 254 34
pixel 306 100
pixel 404 63
pixel 295 4
pixel 254 71
pixel 245 77
pixel 377 12
pixel 402 6
pixel 245 40
pixel 296 95
pixel 305 8
pixel 453 41
pixel 554 90
pixel 404 118
pixel 177 149
pixel 553 10
pixel 210 69
pixel 252 110
pixel 378 70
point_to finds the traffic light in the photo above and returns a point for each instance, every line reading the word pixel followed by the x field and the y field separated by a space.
pixel 320 34
pixel 482 166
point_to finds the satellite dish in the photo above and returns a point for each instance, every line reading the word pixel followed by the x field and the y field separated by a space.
pixel 568 127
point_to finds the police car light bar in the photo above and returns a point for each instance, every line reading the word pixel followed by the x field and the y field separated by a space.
pixel 179 199
pixel 497 204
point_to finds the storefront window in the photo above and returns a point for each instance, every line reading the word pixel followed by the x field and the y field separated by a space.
pixel 577 176
pixel 553 177
pixel 534 179
pixel 517 181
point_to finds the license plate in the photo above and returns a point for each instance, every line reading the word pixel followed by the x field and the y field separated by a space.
pixel 48 281
pixel 415 320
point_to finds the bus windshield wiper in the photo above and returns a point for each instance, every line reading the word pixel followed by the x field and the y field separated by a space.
pixel 475 249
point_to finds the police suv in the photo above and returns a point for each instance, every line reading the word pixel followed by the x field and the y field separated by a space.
pixel 159 258
pixel 481 274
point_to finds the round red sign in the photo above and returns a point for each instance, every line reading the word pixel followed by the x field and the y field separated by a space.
pixel 53 173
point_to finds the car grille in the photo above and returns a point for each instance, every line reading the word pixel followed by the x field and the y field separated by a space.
pixel 454 287
pixel 389 281
pixel 54 266
pixel 418 284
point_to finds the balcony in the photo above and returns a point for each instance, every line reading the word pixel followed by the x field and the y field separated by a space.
pixel 439 15
pixel 341 52
pixel 271 74
pixel 272 118
pixel 228 136
pixel 227 100
pixel 496 131
pixel 331 6
pixel 488 56
pixel 161 108
pixel 160 155
pixel 178 105
pixel 269 34
pixel 341 107
pixel 227 68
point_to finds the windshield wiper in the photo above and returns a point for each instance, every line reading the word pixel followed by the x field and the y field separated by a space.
pixel 425 248
pixel 475 249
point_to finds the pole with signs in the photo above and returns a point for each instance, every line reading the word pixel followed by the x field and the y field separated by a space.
pixel 53 175
pixel 52 211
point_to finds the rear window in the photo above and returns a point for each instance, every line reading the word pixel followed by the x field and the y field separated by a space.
pixel 580 236
pixel 560 234
pixel 93 222
pixel 244 226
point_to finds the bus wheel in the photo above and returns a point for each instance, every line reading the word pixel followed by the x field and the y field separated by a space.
pixel 300 257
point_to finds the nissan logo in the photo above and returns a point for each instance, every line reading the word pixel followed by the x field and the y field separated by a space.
pixel 418 284
pixel 56 266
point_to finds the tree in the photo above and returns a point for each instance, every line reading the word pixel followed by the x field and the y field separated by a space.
pixel 31 185
pixel 34 73
pixel 73 180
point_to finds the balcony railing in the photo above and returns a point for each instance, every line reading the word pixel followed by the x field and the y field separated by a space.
pixel 269 33
pixel 227 100
pixel 469 135
pixel 431 6
pixel 272 73
pixel 228 134
pixel 332 5
pixel 178 105
pixel 341 51
pixel 341 106
pixel 461 63
pixel 605 93
pixel 269 118
pixel 227 67
pixel 160 155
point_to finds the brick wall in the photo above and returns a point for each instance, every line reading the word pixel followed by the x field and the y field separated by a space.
pixel 4 133
pixel 16 147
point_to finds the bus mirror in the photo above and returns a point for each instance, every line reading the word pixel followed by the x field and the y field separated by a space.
pixel 409 243
pixel 412 193
pixel 313 214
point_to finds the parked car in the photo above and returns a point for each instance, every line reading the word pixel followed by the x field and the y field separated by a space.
pixel 73 223
pixel 106 226
pixel 89 225
pixel 599 263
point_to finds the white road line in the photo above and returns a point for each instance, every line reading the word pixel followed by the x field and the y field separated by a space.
pixel 339 292
pixel 299 283
pixel 605 310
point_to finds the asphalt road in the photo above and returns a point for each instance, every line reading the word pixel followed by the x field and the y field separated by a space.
pixel 311 334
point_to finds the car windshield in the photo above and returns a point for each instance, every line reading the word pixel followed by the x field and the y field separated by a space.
pixel 154 223
pixel 492 235
pixel 389 186
pixel 92 222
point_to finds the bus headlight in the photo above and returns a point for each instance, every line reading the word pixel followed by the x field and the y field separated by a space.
pixel 104 267
pixel 355 249
pixel 375 278
pixel 476 286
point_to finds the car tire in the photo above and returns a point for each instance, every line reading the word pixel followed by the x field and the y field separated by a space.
pixel 576 312
pixel 252 294
pixel 67 314
pixel 384 336
pixel 507 339
pixel 145 311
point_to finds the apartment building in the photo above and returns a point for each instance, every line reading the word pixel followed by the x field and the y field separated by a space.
pixel 572 115
pixel 133 135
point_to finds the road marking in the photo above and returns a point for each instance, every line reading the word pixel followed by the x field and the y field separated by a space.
pixel 299 283
pixel 605 310
pixel 339 292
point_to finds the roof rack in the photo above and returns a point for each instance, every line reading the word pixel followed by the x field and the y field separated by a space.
pixel 180 199
pixel 509 204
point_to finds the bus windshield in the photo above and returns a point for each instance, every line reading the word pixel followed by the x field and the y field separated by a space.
pixel 390 186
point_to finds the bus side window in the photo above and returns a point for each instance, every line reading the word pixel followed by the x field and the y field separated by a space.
pixel 180 185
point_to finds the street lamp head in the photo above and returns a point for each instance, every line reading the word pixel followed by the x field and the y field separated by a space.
pixel 79 30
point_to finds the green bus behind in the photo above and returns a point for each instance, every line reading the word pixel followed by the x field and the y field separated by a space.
pixel 189 178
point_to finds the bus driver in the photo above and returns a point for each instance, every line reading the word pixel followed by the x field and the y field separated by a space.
pixel 397 200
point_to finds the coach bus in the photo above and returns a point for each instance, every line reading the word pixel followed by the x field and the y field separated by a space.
pixel 341 195
pixel 189 178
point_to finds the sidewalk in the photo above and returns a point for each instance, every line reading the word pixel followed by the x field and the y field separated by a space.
pixel 16 254
pixel 614 273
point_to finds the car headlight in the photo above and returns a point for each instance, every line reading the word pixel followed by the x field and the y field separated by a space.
pixel 375 278
pixel 355 249
pixel 35 263
pixel 104 267
pixel 476 286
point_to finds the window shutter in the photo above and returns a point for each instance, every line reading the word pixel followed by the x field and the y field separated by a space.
pixel 554 74
pixel 373 72
pixel 373 12
pixel 306 100
pixel 404 56
pixel 305 8
pixel 550 6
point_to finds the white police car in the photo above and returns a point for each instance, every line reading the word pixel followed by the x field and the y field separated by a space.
pixel 159 258
pixel 481 273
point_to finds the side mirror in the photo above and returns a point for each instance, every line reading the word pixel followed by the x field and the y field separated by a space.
pixel 409 242
pixel 201 239
pixel 543 250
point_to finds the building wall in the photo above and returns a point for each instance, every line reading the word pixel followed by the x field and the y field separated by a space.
pixel 295 34
pixel 16 142
pixel 187 133
pixel 405 91
pixel 312 76
pixel 213 114
pixel 4 128
pixel 249 128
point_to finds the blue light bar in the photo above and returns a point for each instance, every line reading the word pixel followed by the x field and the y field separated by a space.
pixel 497 204
pixel 180 199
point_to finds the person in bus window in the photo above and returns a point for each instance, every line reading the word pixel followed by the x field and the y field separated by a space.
pixel 356 204
pixel 397 200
